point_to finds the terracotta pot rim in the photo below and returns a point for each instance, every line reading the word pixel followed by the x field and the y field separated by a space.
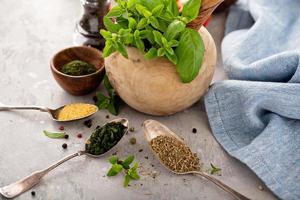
pixel 102 67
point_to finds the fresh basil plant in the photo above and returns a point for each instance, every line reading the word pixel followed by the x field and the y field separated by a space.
pixel 157 29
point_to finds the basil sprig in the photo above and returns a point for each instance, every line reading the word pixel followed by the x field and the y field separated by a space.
pixel 157 29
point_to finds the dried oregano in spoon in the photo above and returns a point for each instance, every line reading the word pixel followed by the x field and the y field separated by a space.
pixel 174 154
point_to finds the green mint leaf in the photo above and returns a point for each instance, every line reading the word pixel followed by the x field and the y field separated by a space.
pixel 173 43
pixel 172 8
pixel 108 49
pixel 106 34
pixel 113 160
pixel 174 29
pixel 104 104
pixel 126 163
pixel 116 11
pixel 54 135
pixel 106 83
pixel 150 4
pixel 131 3
pixel 154 22
pixel 114 170
pixel 142 23
pixel 190 53
pixel 161 52
pixel 157 10
pixel 113 108
pixel 131 23
pixel 191 9
pixel 139 44
pixel 122 49
pixel 143 11
pixel 152 53
pixel 110 26
pixel 133 175
pixel 172 57
pixel 157 37
pixel 126 180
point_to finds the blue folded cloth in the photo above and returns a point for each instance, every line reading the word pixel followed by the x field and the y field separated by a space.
pixel 256 115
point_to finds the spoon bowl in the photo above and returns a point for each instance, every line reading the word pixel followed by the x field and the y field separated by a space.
pixel 21 186
pixel 153 129
pixel 52 112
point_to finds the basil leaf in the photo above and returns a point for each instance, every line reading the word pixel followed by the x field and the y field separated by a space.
pixel 154 22
pixel 106 34
pixel 191 9
pixel 106 83
pixel 122 49
pixel 54 135
pixel 126 180
pixel 108 49
pixel 113 159
pixel 110 26
pixel 161 52
pixel 131 3
pixel 142 23
pixel 139 44
pixel 116 11
pixel 150 4
pixel 174 29
pixel 131 23
pixel 172 57
pixel 157 37
pixel 126 163
pixel 114 170
pixel 172 8
pixel 173 43
pixel 143 10
pixel 133 174
pixel 157 10
pixel 152 53
pixel 190 52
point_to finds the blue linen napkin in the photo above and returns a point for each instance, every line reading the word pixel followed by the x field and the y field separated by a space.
pixel 256 116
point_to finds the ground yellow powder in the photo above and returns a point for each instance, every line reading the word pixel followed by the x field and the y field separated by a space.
pixel 76 111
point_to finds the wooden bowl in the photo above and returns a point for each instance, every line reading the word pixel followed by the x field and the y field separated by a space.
pixel 78 85
pixel 153 86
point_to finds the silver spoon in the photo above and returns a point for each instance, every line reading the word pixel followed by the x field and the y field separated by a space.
pixel 153 129
pixel 21 186
pixel 53 112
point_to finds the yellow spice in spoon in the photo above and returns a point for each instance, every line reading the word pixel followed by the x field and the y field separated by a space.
pixel 76 111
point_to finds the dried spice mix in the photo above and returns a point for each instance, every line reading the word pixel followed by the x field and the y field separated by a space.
pixel 76 111
pixel 174 154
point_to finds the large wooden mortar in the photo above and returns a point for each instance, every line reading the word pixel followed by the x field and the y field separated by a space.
pixel 153 86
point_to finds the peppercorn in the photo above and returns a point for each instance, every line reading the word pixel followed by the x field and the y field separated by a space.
pixel 79 135
pixel 66 136
pixel 132 141
pixel 88 123
pixel 194 130
pixel 64 145
pixel 146 157
pixel 61 128
pixel 32 193
pixel 140 150
pixel 107 116
pixel 131 129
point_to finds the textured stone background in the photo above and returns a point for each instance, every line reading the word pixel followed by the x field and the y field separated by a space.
pixel 30 33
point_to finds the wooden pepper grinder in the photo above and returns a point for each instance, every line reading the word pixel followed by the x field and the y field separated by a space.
pixel 88 27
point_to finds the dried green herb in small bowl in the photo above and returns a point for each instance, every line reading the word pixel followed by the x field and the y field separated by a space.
pixel 78 68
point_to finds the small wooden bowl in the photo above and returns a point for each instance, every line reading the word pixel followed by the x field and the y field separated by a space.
pixel 78 85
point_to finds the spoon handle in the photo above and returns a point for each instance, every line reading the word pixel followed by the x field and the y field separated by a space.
pixel 223 186
pixel 21 186
pixel 40 108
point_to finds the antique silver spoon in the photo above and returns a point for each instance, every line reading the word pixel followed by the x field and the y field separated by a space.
pixel 53 112
pixel 21 186
pixel 153 129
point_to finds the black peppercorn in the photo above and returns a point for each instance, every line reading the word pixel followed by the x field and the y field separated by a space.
pixel 66 136
pixel 32 193
pixel 107 116
pixel 194 130
pixel 88 123
pixel 64 145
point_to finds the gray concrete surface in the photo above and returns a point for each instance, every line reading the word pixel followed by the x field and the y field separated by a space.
pixel 30 33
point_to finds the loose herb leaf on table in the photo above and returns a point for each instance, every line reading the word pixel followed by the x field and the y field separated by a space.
pixel 120 165
pixel 54 135
pixel 111 102
pixel 158 29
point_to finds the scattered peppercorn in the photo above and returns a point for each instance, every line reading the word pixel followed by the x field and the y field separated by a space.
pixel 88 123
pixel 66 136
pixel 33 193
pixel 115 153
pixel 79 135
pixel 61 128
pixel 146 157
pixel 132 141
pixel 194 130
pixel 107 116
pixel 140 150
pixel 131 129
pixel 64 145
